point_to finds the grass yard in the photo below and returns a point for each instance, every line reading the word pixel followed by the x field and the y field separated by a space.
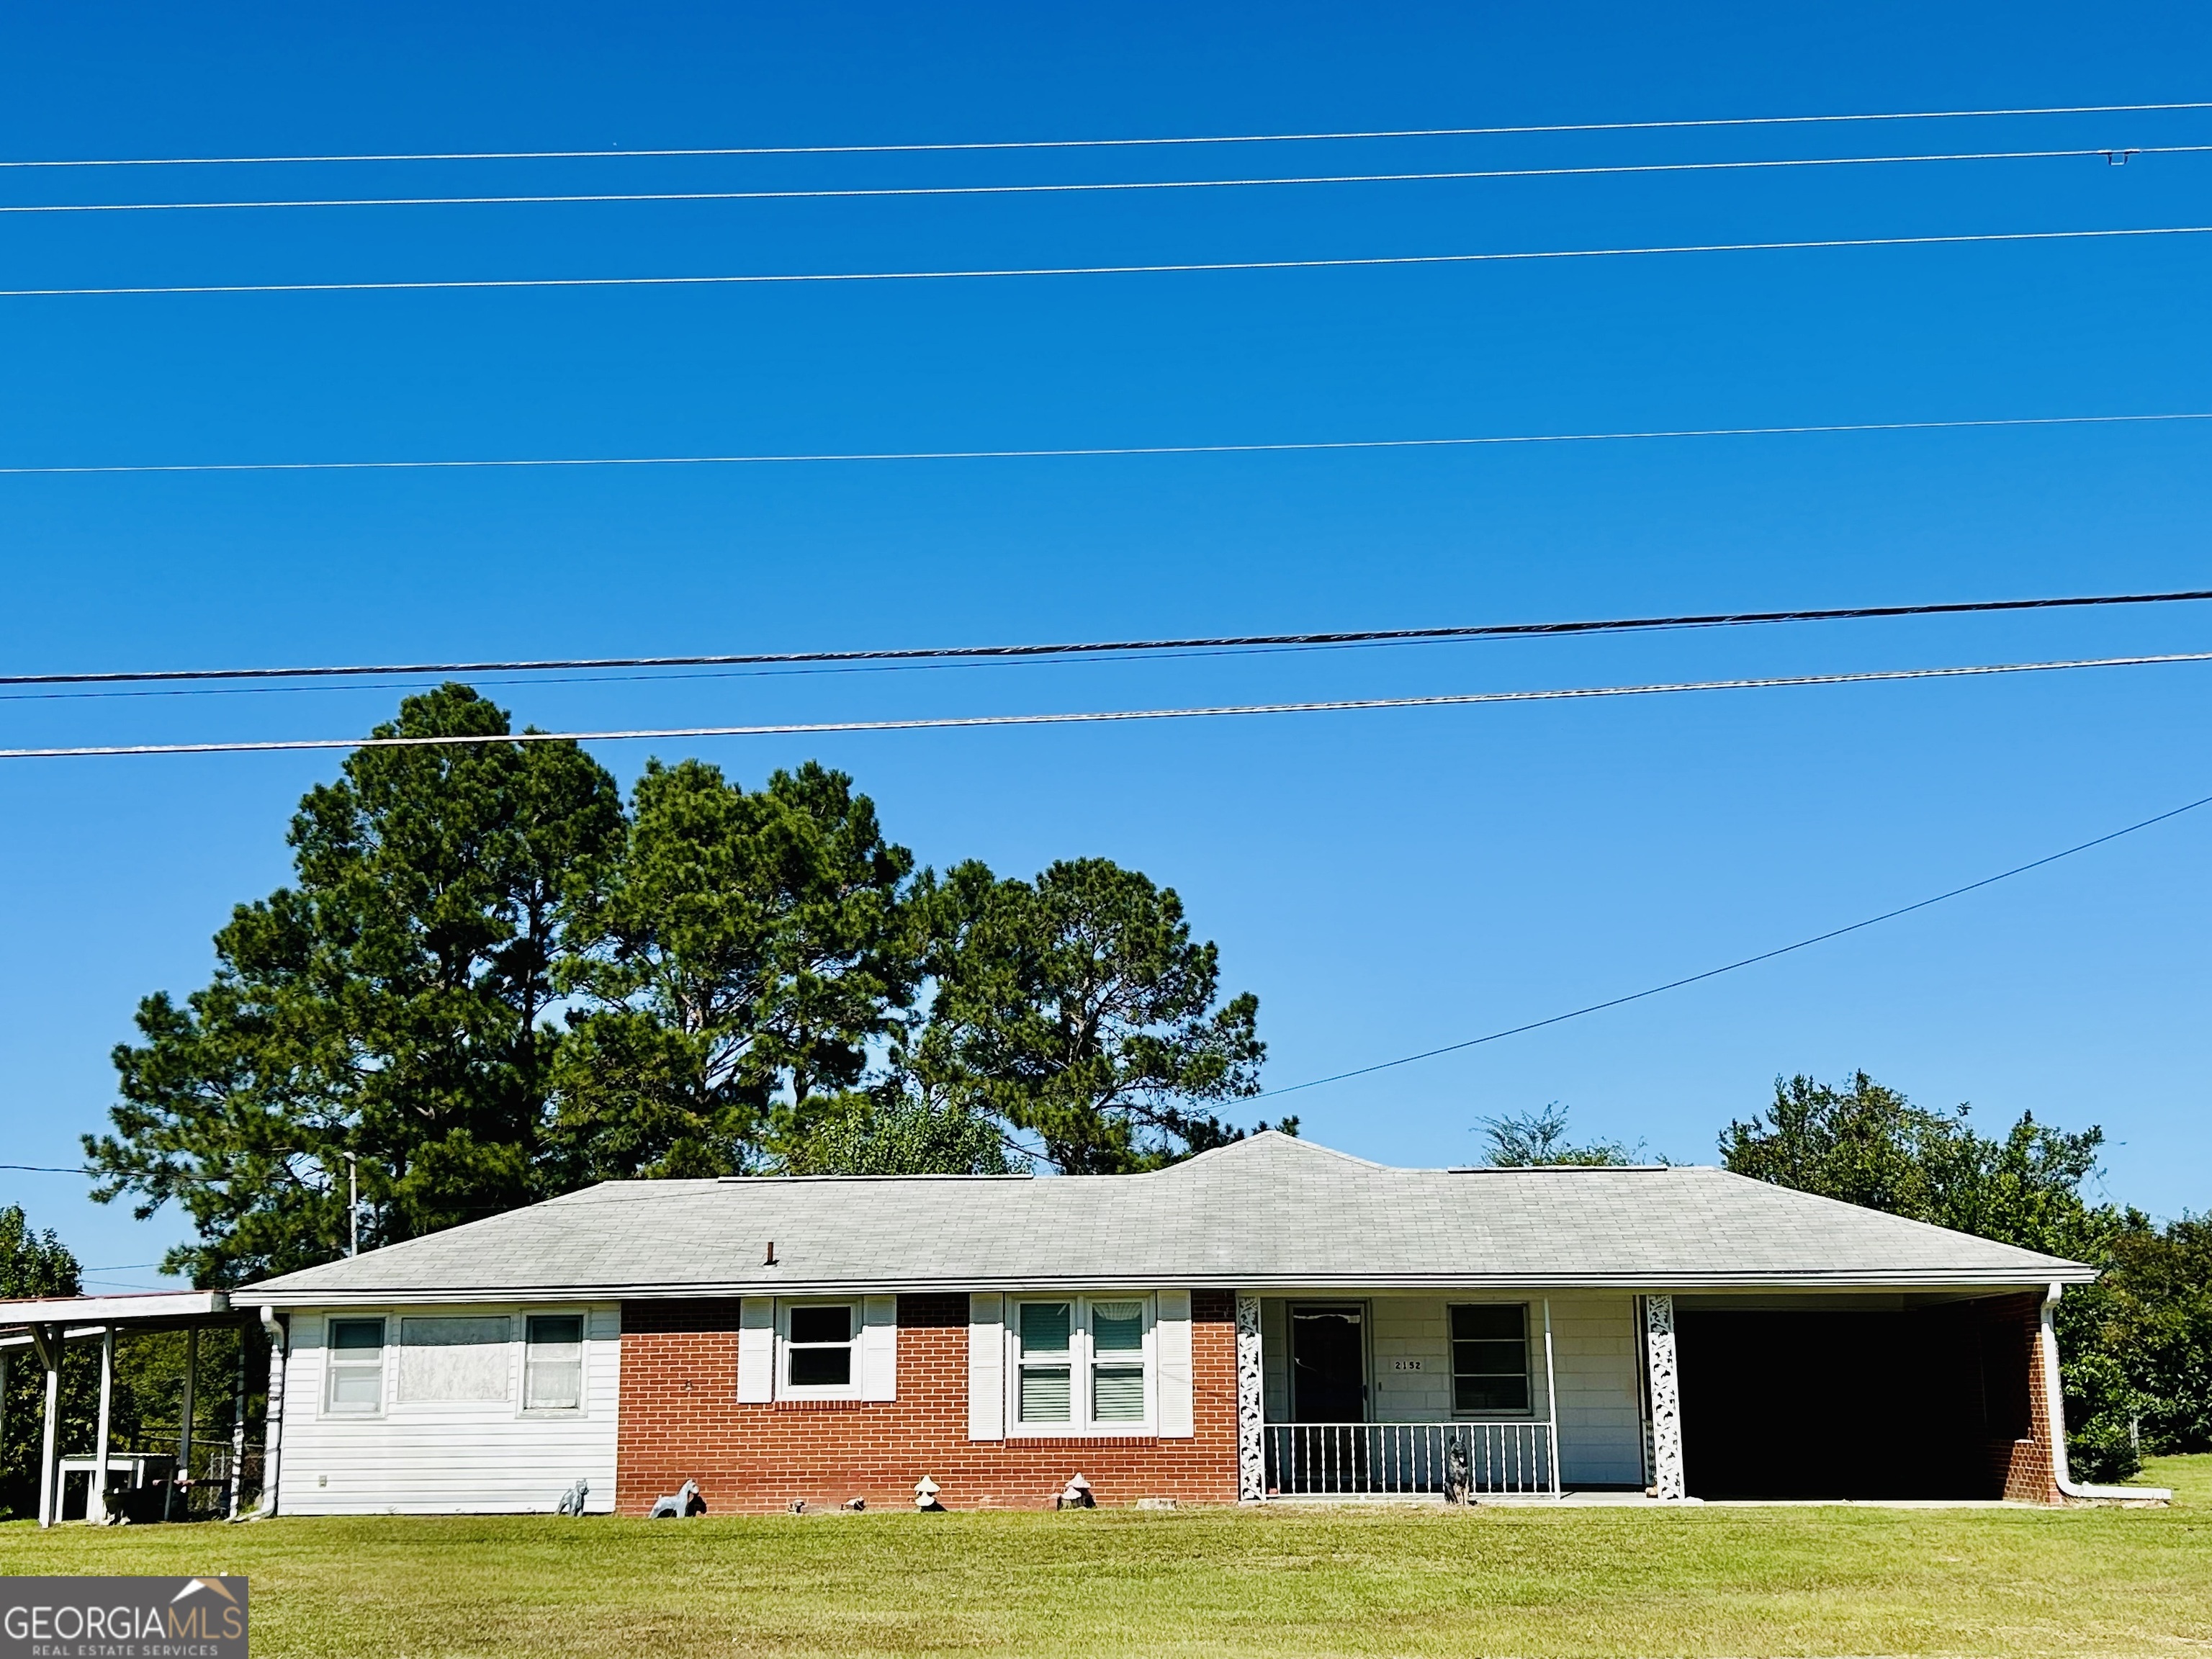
pixel 1722 1581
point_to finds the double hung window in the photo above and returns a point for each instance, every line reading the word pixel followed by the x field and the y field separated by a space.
pixel 1490 1356
pixel 1082 1364
pixel 553 1363
pixel 354 1353
pixel 818 1347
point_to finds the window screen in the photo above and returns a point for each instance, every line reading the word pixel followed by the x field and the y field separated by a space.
pixel 553 1369
pixel 1043 1392
pixel 1490 1357
pixel 1117 1370
pixel 820 1345
pixel 456 1358
pixel 357 1365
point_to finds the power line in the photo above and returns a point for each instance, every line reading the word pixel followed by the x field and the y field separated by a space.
pixel 1085 717
pixel 1108 143
pixel 1746 962
pixel 2109 153
pixel 1183 268
pixel 1101 450
pixel 1219 641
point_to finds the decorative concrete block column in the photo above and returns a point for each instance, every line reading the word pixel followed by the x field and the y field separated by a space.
pixel 1666 1396
pixel 1251 1410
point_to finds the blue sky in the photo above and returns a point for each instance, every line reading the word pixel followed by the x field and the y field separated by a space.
pixel 1385 882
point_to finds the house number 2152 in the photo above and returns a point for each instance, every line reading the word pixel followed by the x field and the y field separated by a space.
pixel 1405 1364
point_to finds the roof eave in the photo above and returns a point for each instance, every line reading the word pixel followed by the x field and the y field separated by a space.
pixel 1886 1280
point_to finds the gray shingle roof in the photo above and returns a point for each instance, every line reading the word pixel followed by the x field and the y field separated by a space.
pixel 1269 1212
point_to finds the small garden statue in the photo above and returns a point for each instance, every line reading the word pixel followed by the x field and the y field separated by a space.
pixel 680 1504
pixel 572 1501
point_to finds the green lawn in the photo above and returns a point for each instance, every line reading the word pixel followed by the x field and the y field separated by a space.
pixel 1830 1580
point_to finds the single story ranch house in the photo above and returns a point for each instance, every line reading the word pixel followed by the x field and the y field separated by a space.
pixel 1269 1320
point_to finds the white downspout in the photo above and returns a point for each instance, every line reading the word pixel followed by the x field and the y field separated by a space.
pixel 2055 1415
pixel 272 1422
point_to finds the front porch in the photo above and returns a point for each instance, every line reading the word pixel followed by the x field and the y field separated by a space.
pixel 1610 1395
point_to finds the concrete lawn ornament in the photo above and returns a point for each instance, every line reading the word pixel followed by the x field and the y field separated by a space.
pixel 680 1504
pixel 572 1501
pixel 1076 1495
pixel 925 1496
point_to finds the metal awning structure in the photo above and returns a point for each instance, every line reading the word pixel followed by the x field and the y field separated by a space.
pixel 44 1324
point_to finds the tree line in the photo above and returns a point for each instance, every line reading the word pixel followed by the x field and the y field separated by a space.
pixel 493 980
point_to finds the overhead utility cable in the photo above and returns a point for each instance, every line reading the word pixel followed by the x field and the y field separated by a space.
pixel 1744 961
pixel 1101 450
pixel 2108 154
pixel 1611 1002
pixel 1108 143
pixel 1219 641
pixel 1098 716
pixel 1183 267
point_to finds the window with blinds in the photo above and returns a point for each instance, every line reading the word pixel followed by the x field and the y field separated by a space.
pixel 1080 1363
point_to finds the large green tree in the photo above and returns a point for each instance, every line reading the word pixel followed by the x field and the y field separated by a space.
pixel 393 1003
pixel 1078 1007
pixel 736 961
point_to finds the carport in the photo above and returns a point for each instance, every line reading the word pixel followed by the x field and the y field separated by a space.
pixel 38 1329
pixel 1894 1397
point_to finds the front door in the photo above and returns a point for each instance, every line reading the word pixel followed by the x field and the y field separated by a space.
pixel 1329 1364
pixel 1328 1384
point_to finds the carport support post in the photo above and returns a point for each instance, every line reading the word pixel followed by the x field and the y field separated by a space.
pixel 1666 1397
pixel 183 1474
pixel 48 1342
pixel 95 1502
pixel 237 1430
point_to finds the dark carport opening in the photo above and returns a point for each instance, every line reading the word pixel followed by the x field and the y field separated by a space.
pixel 1898 1403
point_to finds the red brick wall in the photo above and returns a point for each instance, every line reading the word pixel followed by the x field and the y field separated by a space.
pixel 681 1421
pixel 2031 1472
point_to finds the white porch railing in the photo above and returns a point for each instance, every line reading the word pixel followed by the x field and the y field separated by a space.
pixel 1390 1459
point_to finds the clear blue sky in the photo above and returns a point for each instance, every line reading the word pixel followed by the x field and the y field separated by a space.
pixel 1385 882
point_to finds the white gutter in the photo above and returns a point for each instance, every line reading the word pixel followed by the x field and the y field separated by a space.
pixel 2055 1404
pixel 390 1295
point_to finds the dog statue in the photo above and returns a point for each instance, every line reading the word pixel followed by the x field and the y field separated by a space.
pixel 680 1504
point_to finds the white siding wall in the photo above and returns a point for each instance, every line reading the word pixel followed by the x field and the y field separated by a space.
pixel 480 1457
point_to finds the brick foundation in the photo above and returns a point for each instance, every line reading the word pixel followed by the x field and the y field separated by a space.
pixel 681 1421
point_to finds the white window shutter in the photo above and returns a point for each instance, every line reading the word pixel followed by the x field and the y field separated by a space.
pixel 880 1348
pixel 987 1366
pixel 757 1349
pixel 1171 1334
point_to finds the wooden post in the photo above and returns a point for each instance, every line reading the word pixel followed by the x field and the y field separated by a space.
pixel 49 1344
pixel 1551 1398
pixel 183 1474
pixel 95 1498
